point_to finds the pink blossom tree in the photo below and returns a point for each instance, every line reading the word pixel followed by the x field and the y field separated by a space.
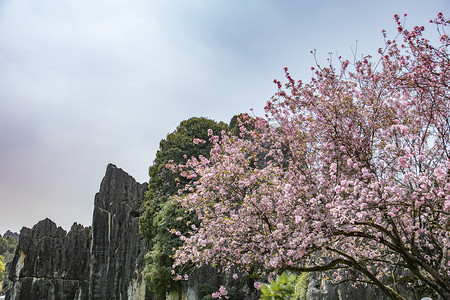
pixel 348 174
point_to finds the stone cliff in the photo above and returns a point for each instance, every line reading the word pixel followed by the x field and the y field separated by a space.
pixel 50 263
pixel 102 262
pixel 117 249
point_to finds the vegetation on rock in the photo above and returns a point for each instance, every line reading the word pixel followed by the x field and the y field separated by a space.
pixel 8 246
pixel 2 268
pixel 161 213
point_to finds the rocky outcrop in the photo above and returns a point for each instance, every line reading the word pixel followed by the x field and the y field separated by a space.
pixel 321 288
pixel 102 262
pixel 50 263
pixel 118 250
pixel 14 235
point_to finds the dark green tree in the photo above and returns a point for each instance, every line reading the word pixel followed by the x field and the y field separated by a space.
pixel 2 269
pixel 161 214
pixel 7 247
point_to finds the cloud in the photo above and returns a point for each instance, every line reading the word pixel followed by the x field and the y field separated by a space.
pixel 84 83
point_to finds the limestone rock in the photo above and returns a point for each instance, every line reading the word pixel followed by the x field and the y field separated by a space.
pixel 50 263
pixel 117 248
pixel 320 288
pixel 102 262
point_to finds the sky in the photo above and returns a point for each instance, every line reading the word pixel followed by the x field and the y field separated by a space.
pixel 87 83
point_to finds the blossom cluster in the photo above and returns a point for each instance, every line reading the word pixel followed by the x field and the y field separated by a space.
pixel 349 171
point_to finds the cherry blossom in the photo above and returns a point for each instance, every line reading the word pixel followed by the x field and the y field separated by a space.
pixel 349 173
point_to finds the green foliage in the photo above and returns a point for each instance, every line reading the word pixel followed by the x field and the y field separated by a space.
pixel 239 120
pixel 175 147
pixel 7 248
pixel 162 216
pixel 205 291
pixel 171 216
pixel 2 268
pixel 7 245
pixel 286 286
pixel 157 271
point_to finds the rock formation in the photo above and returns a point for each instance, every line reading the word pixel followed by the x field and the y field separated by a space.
pixel 118 250
pixel 102 262
pixel 320 288
pixel 50 263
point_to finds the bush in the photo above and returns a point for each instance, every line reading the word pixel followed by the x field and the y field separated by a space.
pixel 286 286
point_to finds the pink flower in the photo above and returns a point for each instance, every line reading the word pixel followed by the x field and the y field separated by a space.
pixel 223 290
pixel 273 199
pixel 215 295
pixel 350 162
pixel 439 172
pixel 333 167
pixel 199 141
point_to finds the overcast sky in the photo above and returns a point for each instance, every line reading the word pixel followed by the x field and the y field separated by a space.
pixel 87 83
